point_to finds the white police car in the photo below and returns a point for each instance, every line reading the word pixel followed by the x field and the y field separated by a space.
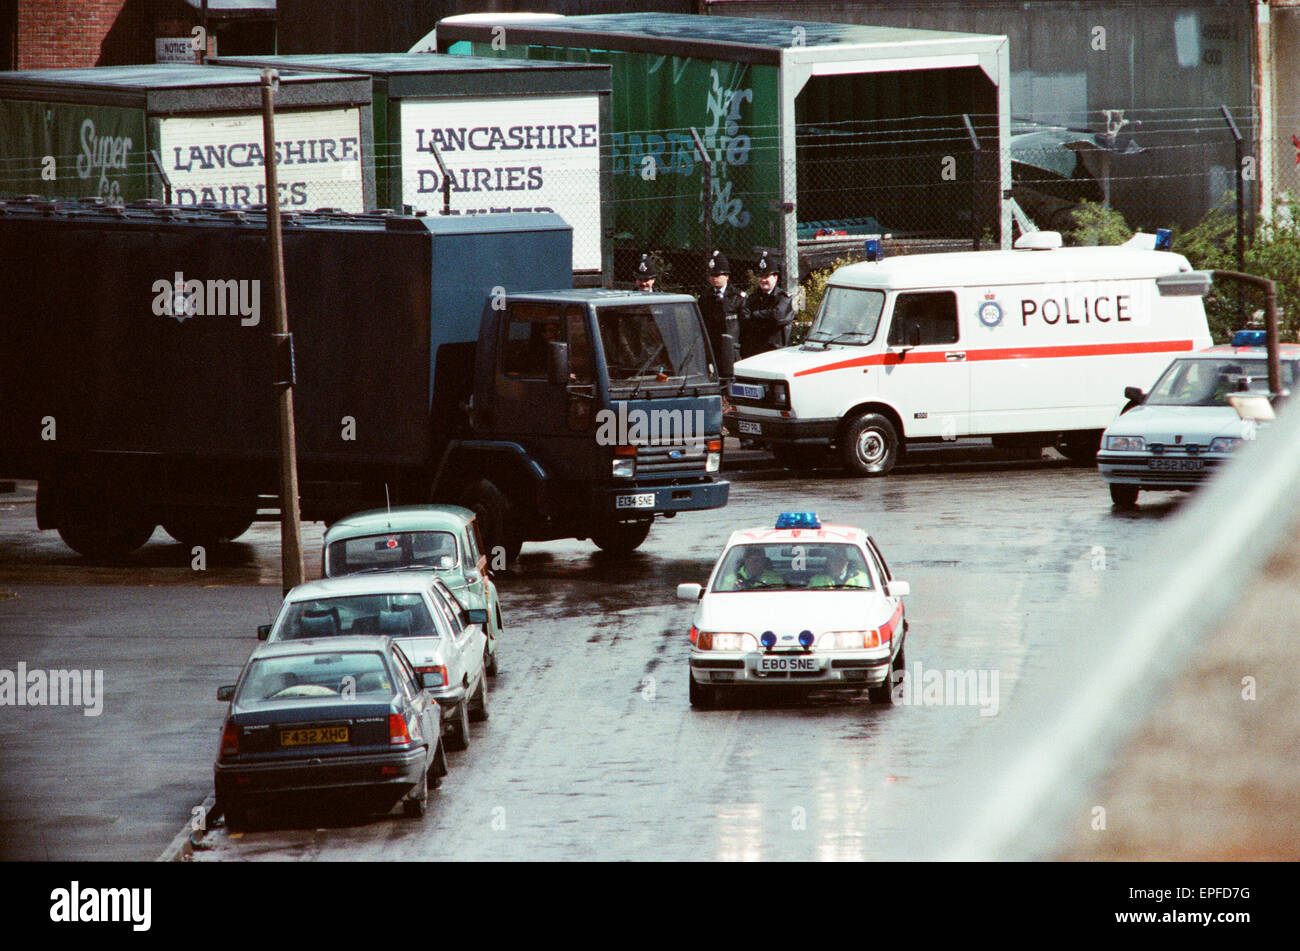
pixel 802 604
pixel 1185 429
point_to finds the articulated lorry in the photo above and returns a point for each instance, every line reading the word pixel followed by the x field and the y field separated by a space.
pixel 433 359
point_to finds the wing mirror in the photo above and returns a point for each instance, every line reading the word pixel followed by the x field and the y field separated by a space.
pixel 476 616
pixel 558 368
pixel 898 589
pixel 263 631
pixel 226 694
pixel 690 592
pixel 727 358
pixel 1134 393
pixel 430 681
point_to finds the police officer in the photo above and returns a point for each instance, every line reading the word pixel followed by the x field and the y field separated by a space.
pixel 721 305
pixel 755 571
pixel 771 313
pixel 646 274
pixel 839 573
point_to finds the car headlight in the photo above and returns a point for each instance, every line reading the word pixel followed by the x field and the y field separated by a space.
pixel 1126 443
pixel 726 641
pixel 1224 444
pixel 781 394
pixel 623 468
pixel 848 640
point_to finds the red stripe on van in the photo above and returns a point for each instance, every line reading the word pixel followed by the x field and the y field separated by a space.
pixel 1009 353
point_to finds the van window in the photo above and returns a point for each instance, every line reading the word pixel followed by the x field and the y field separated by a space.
pixel 934 313
pixel 847 315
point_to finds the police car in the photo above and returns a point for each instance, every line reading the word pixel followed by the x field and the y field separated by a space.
pixel 1186 428
pixel 802 604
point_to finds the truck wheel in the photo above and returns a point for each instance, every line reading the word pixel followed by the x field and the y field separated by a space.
pixel 1081 446
pixel 495 519
pixel 1124 496
pixel 208 529
pixel 622 538
pixel 870 445
pixel 106 534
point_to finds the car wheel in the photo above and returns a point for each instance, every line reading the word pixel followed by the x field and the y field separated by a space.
pixel 458 738
pixel 1124 496
pixel 870 445
pixel 703 696
pixel 416 804
pixel 885 694
pixel 496 521
pixel 622 538
pixel 236 817
pixel 439 767
pixel 478 704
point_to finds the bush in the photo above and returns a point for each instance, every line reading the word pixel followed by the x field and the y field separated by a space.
pixel 1096 224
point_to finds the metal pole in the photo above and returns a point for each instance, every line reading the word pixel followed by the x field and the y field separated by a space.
pixel 975 146
pixel 1238 148
pixel 446 179
pixel 708 190
pixel 1270 320
pixel 203 53
pixel 291 564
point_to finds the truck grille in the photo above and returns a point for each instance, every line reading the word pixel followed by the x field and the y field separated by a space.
pixel 671 458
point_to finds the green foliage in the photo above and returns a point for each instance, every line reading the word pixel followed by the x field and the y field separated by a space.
pixel 1096 224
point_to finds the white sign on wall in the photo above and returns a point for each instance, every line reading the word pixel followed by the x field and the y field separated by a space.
pixel 174 49
pixel 536 153
pixel 220 159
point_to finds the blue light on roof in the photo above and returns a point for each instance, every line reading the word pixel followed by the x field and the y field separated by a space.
pixel 1250 338
pixel 873 249
pixel 798 520
pixel 1164 239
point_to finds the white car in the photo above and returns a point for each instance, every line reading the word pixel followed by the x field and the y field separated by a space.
pixel 438 636
pixel 1185 429
pixel 802 604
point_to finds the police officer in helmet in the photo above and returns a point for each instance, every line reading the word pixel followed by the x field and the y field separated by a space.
pixel 647 272
pixel 722 306
pixel 771 313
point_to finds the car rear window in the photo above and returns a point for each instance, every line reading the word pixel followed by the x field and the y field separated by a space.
pixel 323 676
pixel 391 550
pixel 393 615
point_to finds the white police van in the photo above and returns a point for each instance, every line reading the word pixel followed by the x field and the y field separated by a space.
pixel 1030 346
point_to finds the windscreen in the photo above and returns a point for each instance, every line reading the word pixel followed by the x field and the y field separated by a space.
pixel 1208 382
pixel 847 315
pixel 645 341
pixel 323 676
pixel 393 615
pixel 392 550
pixel 792 566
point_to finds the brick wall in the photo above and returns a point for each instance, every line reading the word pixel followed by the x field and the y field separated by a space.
pixel 64 34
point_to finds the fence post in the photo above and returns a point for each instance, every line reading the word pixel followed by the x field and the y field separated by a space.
pixel 1241 206
pixel 975 182
pixel 708 190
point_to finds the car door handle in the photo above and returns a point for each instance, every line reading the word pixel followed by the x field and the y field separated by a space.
pixel 955 356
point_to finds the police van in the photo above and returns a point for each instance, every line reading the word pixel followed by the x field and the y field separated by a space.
pixel 1032 346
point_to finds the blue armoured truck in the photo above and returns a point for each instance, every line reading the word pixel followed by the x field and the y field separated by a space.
pixel 443 359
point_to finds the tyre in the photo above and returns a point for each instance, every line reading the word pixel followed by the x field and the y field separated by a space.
pixel 703 696
pixel 458 737
pixel 478 704
pixel 1124 496
pixel 439 767
pixel 236 817
pixel 885 694
pixel 622 538
pixel 1081 447
pixel 870 445
pixel 208 528
pixel 416 803
pixel 104 534
pixel 496 520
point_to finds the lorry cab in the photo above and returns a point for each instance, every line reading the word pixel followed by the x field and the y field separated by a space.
pixel 1033 345
pixel 610 402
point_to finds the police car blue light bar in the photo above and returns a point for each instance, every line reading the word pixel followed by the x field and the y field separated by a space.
pixel 1164 239
pixel 798 520
pixel 1250 338
pixel 873 250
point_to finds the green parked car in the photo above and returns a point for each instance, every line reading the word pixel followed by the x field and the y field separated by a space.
pixel 443 537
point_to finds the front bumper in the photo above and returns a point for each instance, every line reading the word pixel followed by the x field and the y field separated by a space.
pixel 241 782
pixel 688 496
pixel 842 669
pixel 1135 468
pixel 776 430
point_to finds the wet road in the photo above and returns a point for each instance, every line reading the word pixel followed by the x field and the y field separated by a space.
pixel 592 750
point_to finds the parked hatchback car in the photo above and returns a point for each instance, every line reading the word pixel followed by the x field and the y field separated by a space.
pixel 340 714
pixel 1186 429
pixel 444 538
pixel 443 639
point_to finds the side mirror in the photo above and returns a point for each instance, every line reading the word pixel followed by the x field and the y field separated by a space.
pixel 263 631
pixel 226 694
pixel 898 589
pixel 558 368
pixel 430 681
pixel 476 616
pixel 1134 393
pixel 690 592
pixel 727 358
